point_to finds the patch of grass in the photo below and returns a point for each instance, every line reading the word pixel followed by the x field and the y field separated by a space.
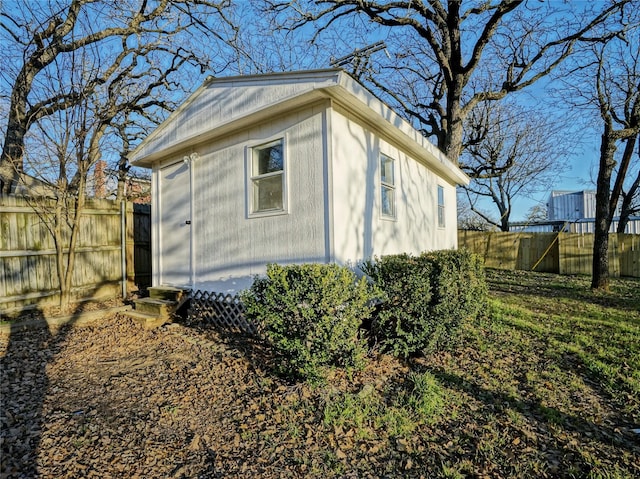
pixel 398 410
pixel 425 397
pixel 614 472
pixel 554 364
pixel 588 329
pixel 453 472
pixel 352 410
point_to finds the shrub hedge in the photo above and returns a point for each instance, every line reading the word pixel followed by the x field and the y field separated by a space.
pixel 311 315
pixel 425 298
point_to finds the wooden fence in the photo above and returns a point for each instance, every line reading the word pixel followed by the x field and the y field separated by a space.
pixel 563 253
pixel 28 276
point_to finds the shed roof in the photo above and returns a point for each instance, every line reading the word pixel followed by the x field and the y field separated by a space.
pixel 223 105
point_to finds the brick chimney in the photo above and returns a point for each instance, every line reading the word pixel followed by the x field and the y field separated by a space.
pixel 99 180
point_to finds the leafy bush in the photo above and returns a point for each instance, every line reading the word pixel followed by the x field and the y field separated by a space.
pixel 425 298
pixel 311 315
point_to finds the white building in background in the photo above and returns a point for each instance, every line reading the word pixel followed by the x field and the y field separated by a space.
pixel 290 168
pixel 571 205
pixel 573 212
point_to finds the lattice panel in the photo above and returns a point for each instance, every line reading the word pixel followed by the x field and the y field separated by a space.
pixel 224 311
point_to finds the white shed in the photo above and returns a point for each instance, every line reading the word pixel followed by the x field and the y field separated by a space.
pixel 290 168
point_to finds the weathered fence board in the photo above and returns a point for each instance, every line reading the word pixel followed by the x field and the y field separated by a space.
pixel 28 275
pixel 629 255
pixel 564 253
pixel 538 252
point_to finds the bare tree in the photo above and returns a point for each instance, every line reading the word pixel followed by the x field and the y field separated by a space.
pixel 536 213
pixel 510 152
pixel 469 220
pixel 69 145
pixel 617 99
pixel 40 34
pixel 447 56
pixel 110 94
pixel 630 201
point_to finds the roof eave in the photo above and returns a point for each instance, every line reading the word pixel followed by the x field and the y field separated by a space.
pixel 346 92
pixel 383 119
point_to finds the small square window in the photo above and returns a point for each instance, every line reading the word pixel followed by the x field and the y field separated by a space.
pixel 441 212
pixel 387 187
pixel 268 159
pixel 267 177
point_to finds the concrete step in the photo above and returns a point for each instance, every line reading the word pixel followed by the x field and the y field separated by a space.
pixel 168 293
pixel 149 321
pixel 160 308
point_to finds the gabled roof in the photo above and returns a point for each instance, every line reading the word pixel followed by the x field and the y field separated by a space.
pixel 223 105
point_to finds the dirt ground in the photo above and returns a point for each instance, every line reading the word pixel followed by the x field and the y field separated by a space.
pixel 78 402
pixel 115 400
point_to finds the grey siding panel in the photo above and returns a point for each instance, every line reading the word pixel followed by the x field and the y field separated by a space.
pixel 230 246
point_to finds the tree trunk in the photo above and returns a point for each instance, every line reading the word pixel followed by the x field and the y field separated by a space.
pixel 504 224
pixel 73 239
pixel 12 151
pixel 454 124
pixel 616 192
pixel 123 170
pixel 627 208
pixel 18 121
pixel 600 274
pixel 58 237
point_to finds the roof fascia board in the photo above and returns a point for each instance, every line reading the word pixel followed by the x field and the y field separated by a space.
pixel 246 80
pixel 162 126
pixel 346 92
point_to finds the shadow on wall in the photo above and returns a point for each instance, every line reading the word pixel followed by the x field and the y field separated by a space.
pixel 232 280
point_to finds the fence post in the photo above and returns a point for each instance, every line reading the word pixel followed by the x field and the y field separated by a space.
pixel 131 267
pixel 123 246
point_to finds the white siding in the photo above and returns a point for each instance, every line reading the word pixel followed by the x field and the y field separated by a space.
pixel 334 131
pixel 359 229
pixel 231 248
pixel 221 102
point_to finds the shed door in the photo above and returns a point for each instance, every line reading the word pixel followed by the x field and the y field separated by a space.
pixel 175 225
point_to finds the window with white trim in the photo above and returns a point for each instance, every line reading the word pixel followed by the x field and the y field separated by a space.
pixel 267 187
pixel 441 212
pixel 387 187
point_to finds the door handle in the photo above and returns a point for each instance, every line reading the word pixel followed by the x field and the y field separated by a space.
pixel 188 222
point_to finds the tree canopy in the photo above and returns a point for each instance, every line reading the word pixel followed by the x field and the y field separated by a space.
pixel 447 56
pixel 126 47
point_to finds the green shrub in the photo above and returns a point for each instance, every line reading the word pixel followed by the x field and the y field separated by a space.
pixel 311 316
pixel 425 298
pixel 402 322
